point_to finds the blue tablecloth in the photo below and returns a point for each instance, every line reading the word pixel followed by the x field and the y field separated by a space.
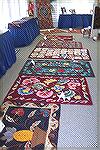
pixel 7 52
pixel 26 32
pixel 2 66
pixel 75 21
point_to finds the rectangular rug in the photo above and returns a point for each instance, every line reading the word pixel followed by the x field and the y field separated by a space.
pixel 52 31
pixel 60 37
pixel 56 30
pixel 49 89
pixel 43 10
pixel 55 43
pixel 55 53
pixel 57 68
pixel 30 128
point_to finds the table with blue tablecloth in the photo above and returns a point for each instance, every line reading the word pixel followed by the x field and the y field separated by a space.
pixel 7 52
pixel 24 31
pixel 75 21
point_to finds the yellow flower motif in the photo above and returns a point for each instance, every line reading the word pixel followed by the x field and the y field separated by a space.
pixel 66 64
pixel 48 81
pixel 23 135
pixel 9 97
pixel 44 64
pixel 51 70
pixel 77 97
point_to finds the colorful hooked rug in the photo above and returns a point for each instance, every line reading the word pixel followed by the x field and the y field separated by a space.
pixel 44 14
pixel 57 68
pixel 30 128
pixel 78 31
pixel 56 30
pixel 52 31
pixel 59 90
pixel 54 53
pixel 56 43
pixel 59 37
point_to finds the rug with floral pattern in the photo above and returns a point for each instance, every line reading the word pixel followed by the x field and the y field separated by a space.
pixel 30 128
pixel 60 37
pixel 56 30
pixel 57 68
pixel 59 90
pixel 56 43
pixel 57 53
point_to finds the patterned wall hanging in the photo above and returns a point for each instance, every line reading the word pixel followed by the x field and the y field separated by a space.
pixel 44 14
pixel 30 8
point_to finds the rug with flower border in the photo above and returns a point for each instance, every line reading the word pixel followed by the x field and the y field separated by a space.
pixel 49 89
pixel 58 53
pixel 56 30
pixel 49 67
pixel 60 37
pixel 43 8
pixel 30 128
pixel 56 43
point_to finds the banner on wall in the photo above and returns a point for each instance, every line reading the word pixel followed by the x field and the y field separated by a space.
pixel 44 14
pixel 30 8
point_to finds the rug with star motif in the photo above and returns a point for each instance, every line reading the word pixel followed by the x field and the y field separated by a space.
pixel 49 89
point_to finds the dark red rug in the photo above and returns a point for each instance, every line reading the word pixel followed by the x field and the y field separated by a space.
pixel 55 53
pixel 43 9
pixel 56 30
pixel 55 43
pixel 52 31
pixel 30 128
pixel 41 89
pixel 59 37
pixel 51 67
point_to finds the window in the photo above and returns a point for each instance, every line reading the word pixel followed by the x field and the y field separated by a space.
pixel 11 10
pixel 81 7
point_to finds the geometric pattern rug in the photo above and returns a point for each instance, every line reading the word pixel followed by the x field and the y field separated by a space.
pixel 49 89
pixel 51 31
pixel 57 68
pixel 56 30
pixel 55 53
pixel 55 43
pixel 29 128
pixel 59 37
pixel 44 14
